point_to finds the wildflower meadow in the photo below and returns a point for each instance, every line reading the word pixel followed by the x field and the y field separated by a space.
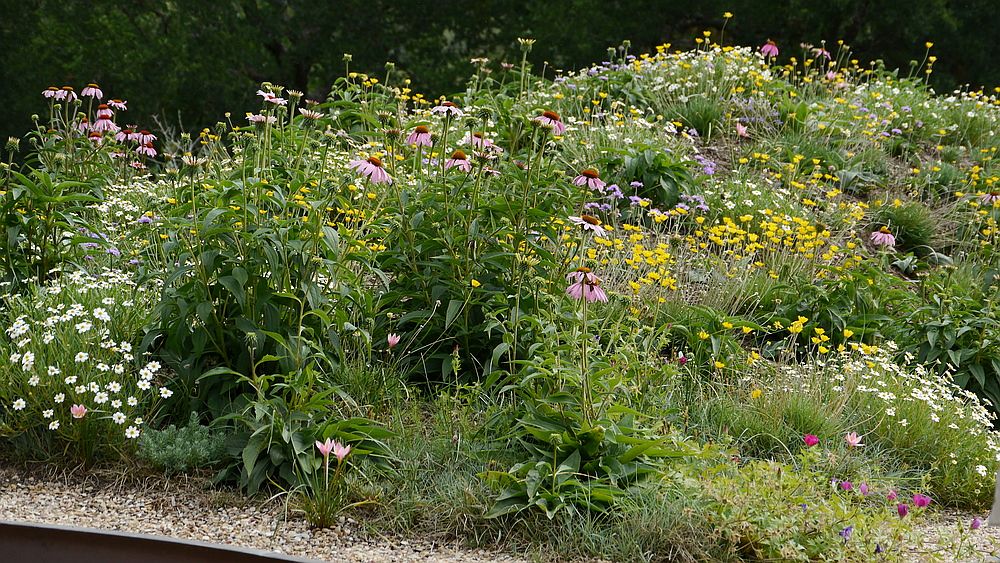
pixel 721 304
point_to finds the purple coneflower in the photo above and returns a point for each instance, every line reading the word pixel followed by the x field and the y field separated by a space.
pixel 589 223
pixel 145 137
pixel 124 135
pixel 551 120
pixel 448 109
pixel 96 137
pixel 271 98
pixel 92 91
pixel 590 178
pixel 84 125
pixel 585 285
pixel 104 122
pixel 460 160
pixel 769 49
pixel 66 93
pixel 421 137
pixel 118 104
pixel 51 92
pixel 257 118
pixel 372 169
pixel 146 150
pixel 991 198
pixel 478 139
pixel 883 237
pixel 310 114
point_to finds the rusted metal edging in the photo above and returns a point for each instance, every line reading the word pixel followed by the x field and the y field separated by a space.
pixel 27 542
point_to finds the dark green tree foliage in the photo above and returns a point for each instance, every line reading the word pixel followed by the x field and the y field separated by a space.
pixel 200 59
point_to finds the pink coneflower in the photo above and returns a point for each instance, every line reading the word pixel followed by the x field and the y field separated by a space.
pixel 372 169
pixel 84 125
pixel 271 98
pixel 458 160
pixel 589 223
pixel 741 130
pixel 124 135
pixel 145 137
pixel 478 139
pixel 585 286
pixel 96 137
pixel 421 137
pixel 51 92
pixel 769 49
pixel 104 122
pixel 448 109
pixel 820 52
pixel 66 93
pixel 853 440
pixel 991 198
pixel 92 91
pixel 883 237
pixel 921 501
pixel 341 451
pixel 103 111
pixel 118 104
pixel 810 440
pixel 257 118
pixel 78 411
pixel 590 178
pixel 146 150
pixel 392 340
pixel 551 120
pixel 310 114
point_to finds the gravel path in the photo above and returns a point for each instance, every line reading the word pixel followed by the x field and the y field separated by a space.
pixel 182 509
pixel 946 533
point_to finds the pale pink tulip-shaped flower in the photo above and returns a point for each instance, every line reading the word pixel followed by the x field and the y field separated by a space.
pixel 586 285
pixel 590 178
pixel 325 447
pixel 392 340
pixel 421 137
pixel 853 440
pixel 78 411
pixel 551 120
pixel 372 169
pixel 341 451
pixel 741 130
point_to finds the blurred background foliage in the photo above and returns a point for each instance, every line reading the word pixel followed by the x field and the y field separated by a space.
pixel 190 61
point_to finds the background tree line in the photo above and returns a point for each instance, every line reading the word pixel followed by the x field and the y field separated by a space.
pixel 198 59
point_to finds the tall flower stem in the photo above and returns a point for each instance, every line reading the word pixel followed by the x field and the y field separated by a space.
pixel 588 403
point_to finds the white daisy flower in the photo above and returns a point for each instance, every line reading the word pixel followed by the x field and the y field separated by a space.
pixel 59 398
pixel 54 425
pixel 131 432
pixel 18 404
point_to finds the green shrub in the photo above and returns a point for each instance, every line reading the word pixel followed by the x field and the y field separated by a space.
pixel 180 450
pixel 913 224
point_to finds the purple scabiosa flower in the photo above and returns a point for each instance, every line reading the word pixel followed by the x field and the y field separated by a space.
pixel 590 178
pixel 846 533
pixel 614 192
pixel 863 489
pixel 144 219
pixel 846 485
pixel 421 137
pixel 586 285
pixel 589 223
pixel 92 91
pixel 551 120
pixel 372 169
pixel 447 109
pixel 976 523
pixel 883 237
pixel 769 49
pixel 458 160
pixel 920 500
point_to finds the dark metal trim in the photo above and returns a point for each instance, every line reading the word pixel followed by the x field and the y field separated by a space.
pixel 43 543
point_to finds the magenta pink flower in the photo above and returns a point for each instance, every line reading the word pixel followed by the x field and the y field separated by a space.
pixel 769 49
pixel 78 411
pixel 340 452
pixel 810 440
pixel 551 120
pixel 891 495
pixel 460 160
pixel 976 523
pixel 420 137
pixel 883 237
pixel 392 340
pixel 92 91
pixel 863 489
pixel 585 286
pixel 590 178
pixel 589 223
pixel 372 169
pixel 846 485
pixel 118 104
pixel 902 509
pixel 682 359
pixel 921 501
pixel 741 130
pixel 853 440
